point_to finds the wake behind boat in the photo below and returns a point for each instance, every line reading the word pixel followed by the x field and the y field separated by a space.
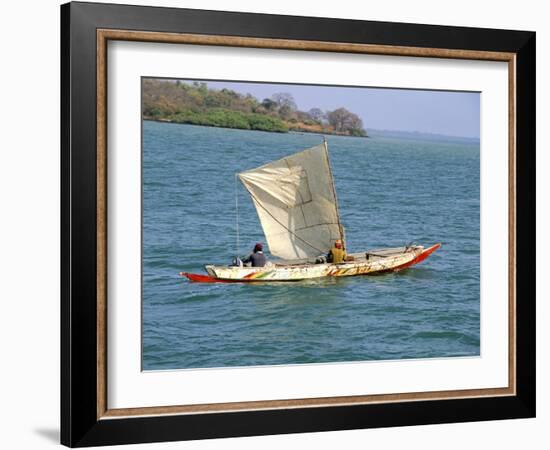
pixel 295 199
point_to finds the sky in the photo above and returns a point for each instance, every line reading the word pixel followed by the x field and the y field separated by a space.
pixel 449 113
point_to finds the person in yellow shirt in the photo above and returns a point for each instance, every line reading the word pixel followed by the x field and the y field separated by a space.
pixel 337 254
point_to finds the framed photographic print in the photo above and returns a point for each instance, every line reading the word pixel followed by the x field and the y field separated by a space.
pixel 277 224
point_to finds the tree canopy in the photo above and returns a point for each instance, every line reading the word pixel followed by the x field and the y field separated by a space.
pixel 196 103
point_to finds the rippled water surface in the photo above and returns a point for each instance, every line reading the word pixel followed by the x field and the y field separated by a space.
pixel 392 190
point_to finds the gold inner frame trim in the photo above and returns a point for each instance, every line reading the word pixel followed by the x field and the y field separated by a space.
pixel 104 35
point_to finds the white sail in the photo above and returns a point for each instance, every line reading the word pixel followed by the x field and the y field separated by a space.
pixel 296 203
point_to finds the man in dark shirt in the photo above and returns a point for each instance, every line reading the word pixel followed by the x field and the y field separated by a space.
pixel 257 258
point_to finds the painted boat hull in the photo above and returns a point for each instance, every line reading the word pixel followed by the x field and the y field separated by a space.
pixel 379 261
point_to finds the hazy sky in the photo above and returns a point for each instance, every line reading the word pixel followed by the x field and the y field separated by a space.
pixel 441 112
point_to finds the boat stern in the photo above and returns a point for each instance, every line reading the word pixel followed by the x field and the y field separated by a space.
pixel 211 270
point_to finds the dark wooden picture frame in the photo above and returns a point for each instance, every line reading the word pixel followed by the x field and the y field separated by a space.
pixel 85 417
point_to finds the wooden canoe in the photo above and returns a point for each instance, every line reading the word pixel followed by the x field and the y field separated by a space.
pixel 367 263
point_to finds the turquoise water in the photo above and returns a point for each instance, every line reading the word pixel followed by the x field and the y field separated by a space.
pixel 392 190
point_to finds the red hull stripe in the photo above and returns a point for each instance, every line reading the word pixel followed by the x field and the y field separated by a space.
pixel 419 258
pixel 199 278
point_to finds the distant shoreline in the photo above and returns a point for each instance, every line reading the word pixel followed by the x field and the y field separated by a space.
pixel 420 135
pixel 297 130
pixel 414 135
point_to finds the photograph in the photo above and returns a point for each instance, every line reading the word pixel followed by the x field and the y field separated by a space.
pixel 288 224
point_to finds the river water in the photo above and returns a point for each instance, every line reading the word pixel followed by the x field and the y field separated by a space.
pixel 392 189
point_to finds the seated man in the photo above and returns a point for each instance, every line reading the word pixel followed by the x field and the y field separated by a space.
pixel 257 258
pixel 337 254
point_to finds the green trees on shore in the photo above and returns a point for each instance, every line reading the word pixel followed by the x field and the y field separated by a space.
pixel 180 102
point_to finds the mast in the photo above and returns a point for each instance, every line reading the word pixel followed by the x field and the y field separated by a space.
pixel 340 226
